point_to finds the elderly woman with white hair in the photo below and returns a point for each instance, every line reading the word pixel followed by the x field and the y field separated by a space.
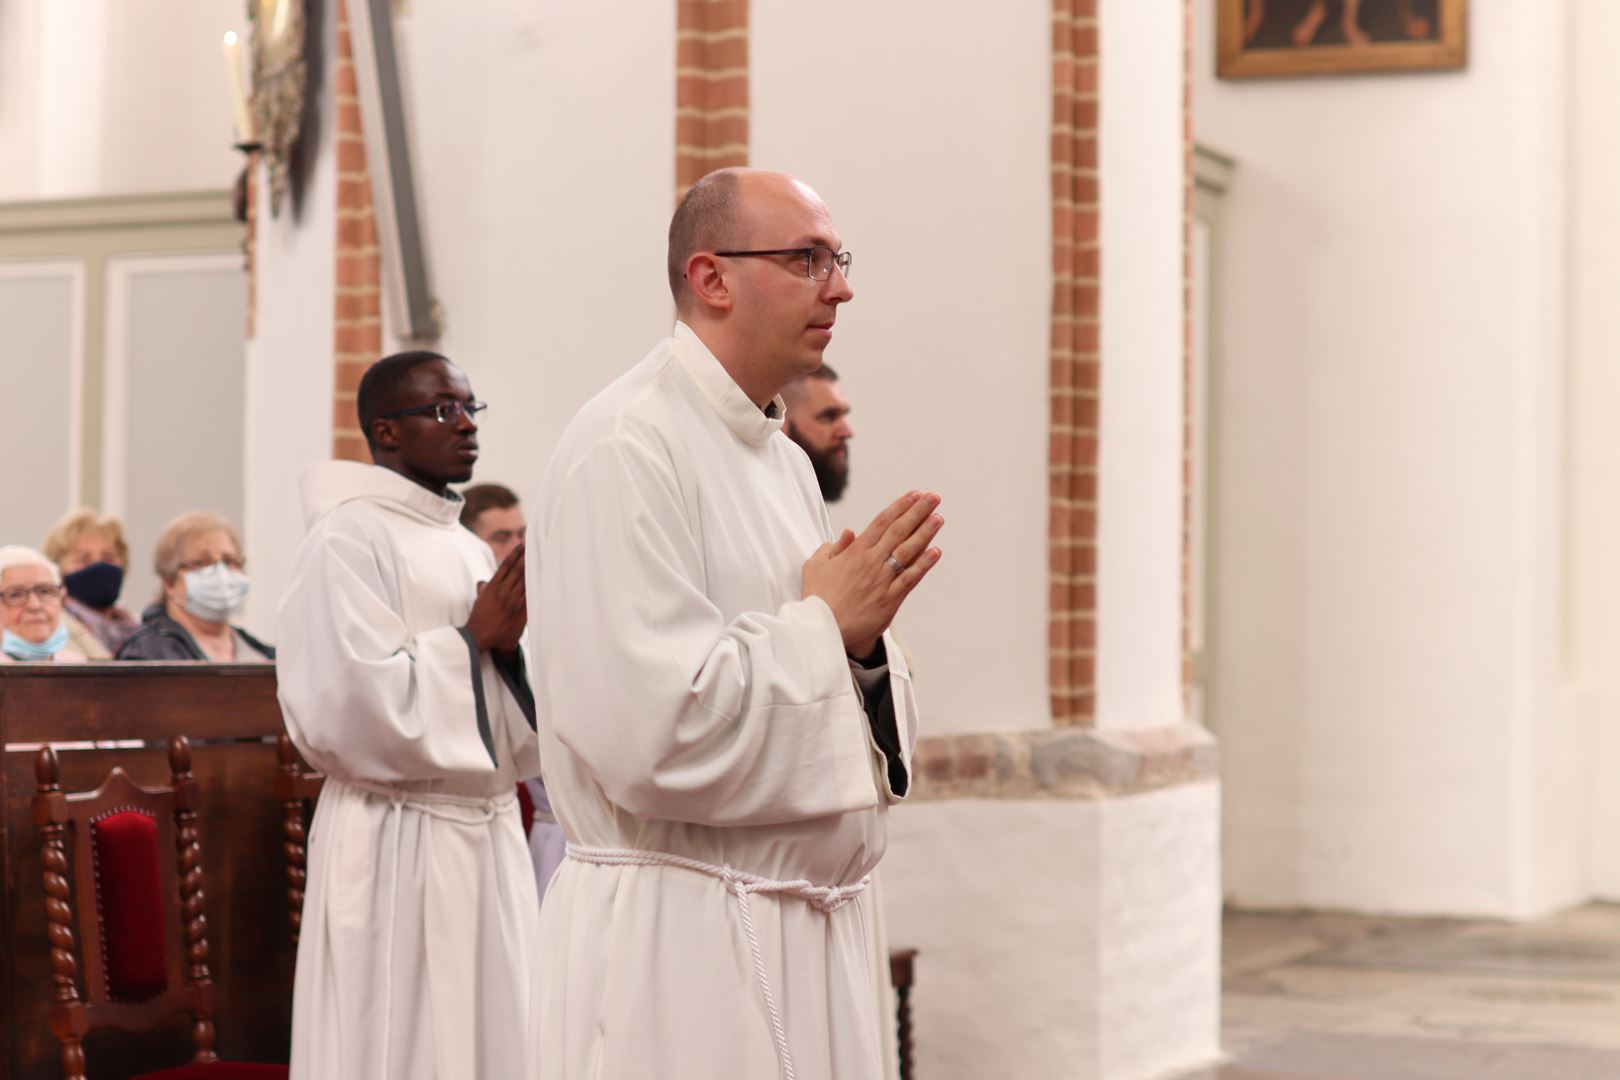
pixel 32 628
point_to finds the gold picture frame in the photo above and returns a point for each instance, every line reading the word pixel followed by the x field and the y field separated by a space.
pixel 279 80
pixel 1261 38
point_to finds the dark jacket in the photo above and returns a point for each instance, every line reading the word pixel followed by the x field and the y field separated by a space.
pixel 162 638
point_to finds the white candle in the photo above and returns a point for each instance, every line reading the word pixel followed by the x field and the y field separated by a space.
pixel 233 69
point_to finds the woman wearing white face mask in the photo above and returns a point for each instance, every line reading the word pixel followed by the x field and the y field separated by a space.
pixel 200 562
pixel 32 630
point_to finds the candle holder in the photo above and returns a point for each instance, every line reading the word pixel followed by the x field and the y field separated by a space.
pixel 239 191
pixel 278 81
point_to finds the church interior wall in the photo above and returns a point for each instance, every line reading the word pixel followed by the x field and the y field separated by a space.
pixel 290 364
pixel 1078 938
pixel 1141 178
pixel 546 183
pixel 1592 582
pixel 1008 951
pixel 571 201
pixel 99 98
pixel 1397 732
pixel 939 185
pixel 20 88
pixel 1159 930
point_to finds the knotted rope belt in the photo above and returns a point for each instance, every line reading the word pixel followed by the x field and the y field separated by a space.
pixel 433 804
pixel 824 898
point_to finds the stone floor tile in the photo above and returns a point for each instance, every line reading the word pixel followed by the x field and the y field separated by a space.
pixel 1327 996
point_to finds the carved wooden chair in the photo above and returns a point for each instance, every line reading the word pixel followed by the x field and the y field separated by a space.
pixel 297 786
pixel 136 917
pixel 901 974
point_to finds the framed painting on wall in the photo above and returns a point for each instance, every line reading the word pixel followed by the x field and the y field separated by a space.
pixel 1257 38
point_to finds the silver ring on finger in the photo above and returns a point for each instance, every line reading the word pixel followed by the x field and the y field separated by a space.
pixel 894 563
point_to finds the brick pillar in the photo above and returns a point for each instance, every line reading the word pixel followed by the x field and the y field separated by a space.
pixel 711 88
pixel 358 335
pixel 1072 497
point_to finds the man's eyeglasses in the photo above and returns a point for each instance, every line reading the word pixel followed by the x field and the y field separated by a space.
pixel 17 596
pixel 818 261
pixel 442 411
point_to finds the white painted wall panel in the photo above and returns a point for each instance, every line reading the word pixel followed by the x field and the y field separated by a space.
pixel 41 309
pixel 175 404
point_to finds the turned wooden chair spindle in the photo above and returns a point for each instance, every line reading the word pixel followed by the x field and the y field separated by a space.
pixel 297 786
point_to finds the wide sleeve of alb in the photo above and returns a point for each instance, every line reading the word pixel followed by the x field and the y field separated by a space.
pixel 678 713
pixel 363 697
pixel 891 711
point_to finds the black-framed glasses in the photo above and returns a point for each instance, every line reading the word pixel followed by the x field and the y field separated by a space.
pixel 18 595
pixel 818 261
pixel 442 411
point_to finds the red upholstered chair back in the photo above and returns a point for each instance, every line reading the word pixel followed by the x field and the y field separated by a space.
pixel 124 897
pixel 297 786
pixel 525 807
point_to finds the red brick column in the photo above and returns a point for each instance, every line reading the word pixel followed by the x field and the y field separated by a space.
pixel 711 88
pixel 358 333
pixel 1075 370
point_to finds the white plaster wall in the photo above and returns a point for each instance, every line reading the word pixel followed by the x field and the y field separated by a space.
pixel 20 32
pixel 72 64
pixel 1593 584
pixel 111 98
pixel 166 108
pixel 547 180
pixel 1395 732
pixel 928 136
pixel 548 258
pixel 1139 527
pixel 1159 931
pixel 290 367
pixel 1000 899
pixel 1551 830
pixel 1061 939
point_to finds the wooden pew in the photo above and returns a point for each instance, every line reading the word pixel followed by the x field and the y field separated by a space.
pixel 230 714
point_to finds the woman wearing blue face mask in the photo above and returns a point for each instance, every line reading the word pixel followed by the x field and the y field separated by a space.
pixel 32 629
pixel 199 560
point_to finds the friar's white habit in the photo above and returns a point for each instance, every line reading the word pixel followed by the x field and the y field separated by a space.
pixel 698 716
pixel 416 952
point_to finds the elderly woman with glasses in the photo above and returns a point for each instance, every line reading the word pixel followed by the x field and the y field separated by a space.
pixel 34 629
pixel 199 560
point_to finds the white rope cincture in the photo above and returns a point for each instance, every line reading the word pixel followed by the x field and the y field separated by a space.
pixel 431 804
pixel 398 814
pixel 824 898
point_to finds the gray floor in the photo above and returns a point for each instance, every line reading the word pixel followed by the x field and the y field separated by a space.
pixel 1340 997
